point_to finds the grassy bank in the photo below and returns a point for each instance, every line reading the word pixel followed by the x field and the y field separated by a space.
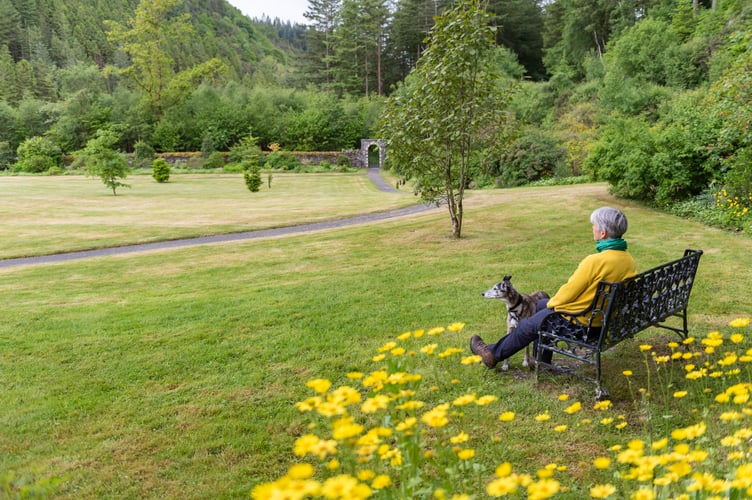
pixel 174 373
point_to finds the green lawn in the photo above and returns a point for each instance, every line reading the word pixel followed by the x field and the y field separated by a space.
pixel 172 374
pixel 41 215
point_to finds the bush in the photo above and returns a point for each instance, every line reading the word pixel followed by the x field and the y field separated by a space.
pixel 160 170
pixel 216 160
pixel 6 155
pixel 38 154
pixel 532 157
pixel 252 177
pixel 143 154
pixel 282 160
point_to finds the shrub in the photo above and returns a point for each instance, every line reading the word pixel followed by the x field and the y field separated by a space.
pixel 532 157
pixel 143 154
pixel 38 154
pixel 160 170
pixel 6 155
pixel 246 149
pixel 252 177
pixel 216 160
pixel 283 160
pixel 195 163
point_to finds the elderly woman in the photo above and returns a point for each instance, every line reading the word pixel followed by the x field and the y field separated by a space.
pixel 612 262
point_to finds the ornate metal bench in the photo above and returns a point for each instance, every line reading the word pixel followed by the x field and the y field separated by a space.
pixel 624 309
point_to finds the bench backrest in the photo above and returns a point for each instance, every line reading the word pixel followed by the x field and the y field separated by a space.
pixel 646 299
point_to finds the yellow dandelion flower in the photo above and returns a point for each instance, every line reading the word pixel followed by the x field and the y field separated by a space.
pixel 436 417
pixel 450 351
pixel 406 424
pixel 602 463
pixel 411 405
pixel 542 417
pixel 378 357
pixel 397 351
pixel 486 400
pixel 503 470
pixel 602 405
pixel 300 471
pixel 739 323
pixel 627 373
pixel 355 375
pixel 573 408
pixel 560 428
pixel 429 349
pixel 465 399
pixel 375 403
pixel 563 397
pixel 388 346
pixel 435 331
pixel 404 336
pixel 507 416
pixel 645 347
pixel 459 438
pixel 320 385
pixel 456 327
pixel 607 421
pixel 471 360
pixel 643 494
pixel 333 464
pixel 381 481
pixel 340 486
pixel 545 488
pixel 620 425
pixel 466 454
pixel 737 338
pixel 366 475
pixel 304 444
pixel 502 487
pixel 680 394
pixel 418 333
pixel 602 490
pixel 660 444
pixel 729 441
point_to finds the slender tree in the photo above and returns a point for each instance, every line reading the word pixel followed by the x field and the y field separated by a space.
pixel 103 159
pixel 147 41
pixel 323 16
pixel 449 108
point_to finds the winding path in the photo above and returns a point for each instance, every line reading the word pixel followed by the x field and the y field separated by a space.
pixel 374 174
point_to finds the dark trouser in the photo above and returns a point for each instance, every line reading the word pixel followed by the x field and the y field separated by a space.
pixel 526 332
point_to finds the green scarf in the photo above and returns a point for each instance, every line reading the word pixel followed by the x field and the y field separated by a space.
pixel 612 244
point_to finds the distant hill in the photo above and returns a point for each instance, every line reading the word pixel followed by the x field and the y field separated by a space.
pixel 59 33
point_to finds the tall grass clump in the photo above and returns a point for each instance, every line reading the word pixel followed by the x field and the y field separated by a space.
pixel 406 427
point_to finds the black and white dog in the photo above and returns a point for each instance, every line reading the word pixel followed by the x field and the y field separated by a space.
pixel 519 305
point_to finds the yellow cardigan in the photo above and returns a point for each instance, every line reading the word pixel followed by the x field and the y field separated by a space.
pixel 578 292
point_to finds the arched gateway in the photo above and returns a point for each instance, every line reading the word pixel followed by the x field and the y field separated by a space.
pixel 360 157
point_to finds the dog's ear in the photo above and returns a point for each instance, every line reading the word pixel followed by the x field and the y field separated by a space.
pixel 507 277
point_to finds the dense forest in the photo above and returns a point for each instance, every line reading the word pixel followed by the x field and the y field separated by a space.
pixel 653 96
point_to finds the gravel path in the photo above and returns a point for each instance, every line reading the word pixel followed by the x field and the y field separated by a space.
pixel 373 174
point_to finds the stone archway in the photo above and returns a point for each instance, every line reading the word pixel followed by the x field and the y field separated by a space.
pixel 365 146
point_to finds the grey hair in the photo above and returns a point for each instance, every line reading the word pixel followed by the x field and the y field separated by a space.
pixel 611 220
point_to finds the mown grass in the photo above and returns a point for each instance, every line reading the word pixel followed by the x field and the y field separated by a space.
pixel 41 215
pixel 173 373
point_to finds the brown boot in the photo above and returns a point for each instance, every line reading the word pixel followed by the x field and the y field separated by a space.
pixel 480 348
